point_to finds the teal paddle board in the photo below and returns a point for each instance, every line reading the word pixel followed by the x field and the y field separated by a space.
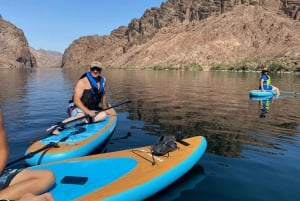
pixel 73 142
pixel 133 174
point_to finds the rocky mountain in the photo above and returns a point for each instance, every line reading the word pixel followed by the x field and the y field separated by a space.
pixel 47 58
pixel 201 32
pixel 14 48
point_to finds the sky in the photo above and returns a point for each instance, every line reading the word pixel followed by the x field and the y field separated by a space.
pixel 55 24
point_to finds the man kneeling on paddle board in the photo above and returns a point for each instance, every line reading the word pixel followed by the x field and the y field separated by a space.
pixel 89 93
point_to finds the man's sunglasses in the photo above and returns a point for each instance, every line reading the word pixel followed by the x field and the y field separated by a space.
pixel 96 69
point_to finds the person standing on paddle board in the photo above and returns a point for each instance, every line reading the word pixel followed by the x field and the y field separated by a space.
pixel 16 183
pixel 265 82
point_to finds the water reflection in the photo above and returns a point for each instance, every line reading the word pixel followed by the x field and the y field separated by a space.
pixel 213 104
pixel 182 186
pixel 264 105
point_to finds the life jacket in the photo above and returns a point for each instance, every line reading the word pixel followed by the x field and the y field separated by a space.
pixel 92 97
pixel 267 81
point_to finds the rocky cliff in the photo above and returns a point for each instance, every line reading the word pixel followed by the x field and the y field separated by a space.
pixel 202 32
pixel 47 58
pixel 14 48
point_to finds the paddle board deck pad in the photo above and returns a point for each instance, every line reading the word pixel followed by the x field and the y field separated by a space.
pixel 259 93
pixel 133 174
pixel 78 141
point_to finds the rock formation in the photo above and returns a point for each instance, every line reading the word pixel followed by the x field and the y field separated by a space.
pixel 47 58
pixel 14 48
pixel 205 32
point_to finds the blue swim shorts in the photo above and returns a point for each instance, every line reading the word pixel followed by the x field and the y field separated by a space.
pixel 6 177
pixel 267 87
pixel 76 111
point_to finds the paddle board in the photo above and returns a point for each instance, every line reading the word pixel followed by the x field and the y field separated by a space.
pixel 74 142
pixel 133 174
pixel 259 93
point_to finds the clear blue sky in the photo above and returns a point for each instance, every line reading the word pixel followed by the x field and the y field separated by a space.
pixel 55 24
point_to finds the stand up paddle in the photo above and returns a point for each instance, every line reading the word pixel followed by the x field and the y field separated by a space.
pixel 31 154
pixel 62 124
pixel 290 92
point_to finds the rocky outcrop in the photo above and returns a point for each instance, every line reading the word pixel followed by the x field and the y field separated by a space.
pixel 14 48
pixel 204 32
pixel 291 8
pixel 47 58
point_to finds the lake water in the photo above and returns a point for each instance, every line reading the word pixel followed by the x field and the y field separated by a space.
pixel 250 156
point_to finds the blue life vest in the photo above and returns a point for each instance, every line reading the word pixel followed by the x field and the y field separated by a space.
pixel 92 97
pixel 266 83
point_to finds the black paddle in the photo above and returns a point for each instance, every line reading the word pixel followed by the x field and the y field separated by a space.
pixel 47 146
pixel 31 154
pixel 289 92
pixel 62 124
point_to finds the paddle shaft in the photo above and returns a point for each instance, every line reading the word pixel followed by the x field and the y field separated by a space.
pixel 61 124
pixel 31 154
pixel 289 92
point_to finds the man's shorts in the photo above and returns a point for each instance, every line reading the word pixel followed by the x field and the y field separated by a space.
pixel 267 87
pixel 6 177
pixel 75 111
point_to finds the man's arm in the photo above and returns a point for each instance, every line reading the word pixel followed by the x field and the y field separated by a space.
pixel 262 84
pixel 104 102
pixel 78 91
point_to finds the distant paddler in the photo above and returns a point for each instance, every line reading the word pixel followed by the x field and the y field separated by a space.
pixel 265 82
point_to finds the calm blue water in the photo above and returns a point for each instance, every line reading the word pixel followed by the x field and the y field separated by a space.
pixel 248 157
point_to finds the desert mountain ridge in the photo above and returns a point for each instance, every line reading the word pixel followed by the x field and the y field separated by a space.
pixel 198 32
pixel 47 58
pixel 16 52
pixel 179 33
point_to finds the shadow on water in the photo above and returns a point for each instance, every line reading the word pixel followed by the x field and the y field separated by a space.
pixel 186 183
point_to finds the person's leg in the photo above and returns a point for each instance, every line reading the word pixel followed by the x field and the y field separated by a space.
pixel 31 197
pixel 100 116
pixel 28 181
pixel 76 116
pixel 69 119
pixel 277 90
pixel 77 113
